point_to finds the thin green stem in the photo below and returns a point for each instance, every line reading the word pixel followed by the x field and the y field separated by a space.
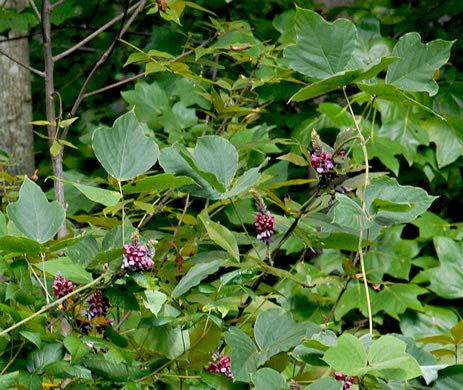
pixel 42 255
pixel 53 304
pixel 123 212
pixel 360 249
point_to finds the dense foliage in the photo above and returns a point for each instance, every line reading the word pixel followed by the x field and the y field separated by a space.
pixel 271 207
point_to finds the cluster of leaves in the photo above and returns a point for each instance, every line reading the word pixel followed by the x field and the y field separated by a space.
pixel 176 169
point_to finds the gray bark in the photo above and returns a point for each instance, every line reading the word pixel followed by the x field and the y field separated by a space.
pixel 16 137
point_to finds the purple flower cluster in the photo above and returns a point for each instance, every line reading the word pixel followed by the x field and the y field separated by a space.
pixel 137 258
pixel 322 162
pixel 61 286
pixel 265 226
pixel 96 313
pixel 221 365
pixel 348 380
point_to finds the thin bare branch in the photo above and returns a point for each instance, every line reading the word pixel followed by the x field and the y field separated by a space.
pixel 96 33
pixel 115 85
pixel 57 4
pixel 137 76
pixel 103 59
pixel 30 68
pixel 36 11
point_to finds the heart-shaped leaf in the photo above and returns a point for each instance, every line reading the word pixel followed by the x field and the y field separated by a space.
pixel 124 150
pixel 33 215
pixel 322 49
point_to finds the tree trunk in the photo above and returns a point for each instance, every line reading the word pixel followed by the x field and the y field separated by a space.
pixel 16 137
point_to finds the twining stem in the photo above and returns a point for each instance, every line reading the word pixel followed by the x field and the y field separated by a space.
pixel 53 304
pixel 360 249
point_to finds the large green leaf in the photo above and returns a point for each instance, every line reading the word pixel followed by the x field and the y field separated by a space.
pixel 195 275
pixel 124 150
pixel 396 298
pixel 268 379
pixel 221 236
pixel 154 300
pixel 432 321
pixel 149 101
pixel 76 347
pixel 14 244
pixel 6 380
pixel 388 189
pixel 244 355
pixel 450 378
pixel 322 49
pixel 418 62
pixel 275 332
pixel 448 141
pixel 34 215
pixel 38 360
pixel 386 358
pixel 325 384
pixel 354 298
pixel 348 213
pixel 390 254
pixel 447 279
pixel 74 272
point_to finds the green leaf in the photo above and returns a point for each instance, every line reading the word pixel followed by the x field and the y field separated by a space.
pixel 157 183
pixel 76 347
pixel 74 272
pixel 6 380
pixel 449 144
pixel 275 332
pixel 325 384
pixel 221 236
pixel 322 49
pixel 33 337
pixel 353 298
pixel 348 213
pixel 449 378
pixel 447 279
pixel 390 190
pixel 348 356
pixel 244 354
pixel 268 379
pixel 149 102
pixel 418 62
pixel 432 321
pixel 15 244
pixel 50 353
pixel 34 215
pixel 98 195
pixel 326 85
pixel 195 275
pixel 396 298
pixel 390 254
pixel 154 300
pixel 387 359
pixel 124 151
pixel 55 149
pixel 117 372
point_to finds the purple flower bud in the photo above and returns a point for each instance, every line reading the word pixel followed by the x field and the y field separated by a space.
pixel 322 163
pixel 137 258
pixel 348 380
pixel 265 226
pixel 61 286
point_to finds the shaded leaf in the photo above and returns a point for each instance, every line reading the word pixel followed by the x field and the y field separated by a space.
pixel 34 215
